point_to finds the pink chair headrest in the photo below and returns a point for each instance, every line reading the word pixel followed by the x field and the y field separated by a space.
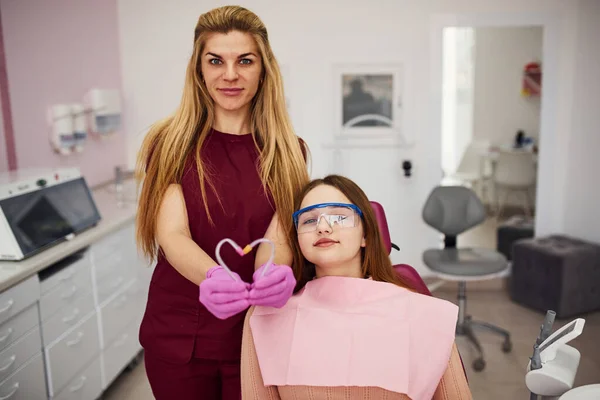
pixel 383 225
pixel 411 277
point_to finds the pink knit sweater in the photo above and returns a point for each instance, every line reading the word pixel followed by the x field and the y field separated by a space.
pixel 453 385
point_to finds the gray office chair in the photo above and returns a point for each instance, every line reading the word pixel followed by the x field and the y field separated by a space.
pixel 453 210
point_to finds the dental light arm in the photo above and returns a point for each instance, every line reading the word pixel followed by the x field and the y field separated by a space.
pixel 546 327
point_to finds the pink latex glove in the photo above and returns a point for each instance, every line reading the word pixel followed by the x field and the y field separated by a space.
pixel 223 296
pixel 275 288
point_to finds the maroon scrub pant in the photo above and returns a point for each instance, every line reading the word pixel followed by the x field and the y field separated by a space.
pixel 197 380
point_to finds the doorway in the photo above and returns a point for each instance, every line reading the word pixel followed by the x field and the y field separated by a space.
pixel 455 107
pixel 491 111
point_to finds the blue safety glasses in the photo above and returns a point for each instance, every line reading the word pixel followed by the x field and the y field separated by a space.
pixel 337 215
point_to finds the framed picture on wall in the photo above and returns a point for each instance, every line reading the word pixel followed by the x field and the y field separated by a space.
pixel 368 103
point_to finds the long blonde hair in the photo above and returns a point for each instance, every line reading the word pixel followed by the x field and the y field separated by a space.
pixel 169 142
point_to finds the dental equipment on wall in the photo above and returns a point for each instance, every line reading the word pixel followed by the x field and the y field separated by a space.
pixel 104 111
pixel 79 127
pixel 99 115
pixel 553 365
pixel 68 133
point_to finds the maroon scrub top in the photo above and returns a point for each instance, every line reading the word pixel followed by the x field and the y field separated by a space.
pixel 176 326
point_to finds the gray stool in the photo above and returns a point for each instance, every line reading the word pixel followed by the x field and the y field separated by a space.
pixel 452 210
pixel 556 273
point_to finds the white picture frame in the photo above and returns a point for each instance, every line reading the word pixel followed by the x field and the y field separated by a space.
pixel 368 103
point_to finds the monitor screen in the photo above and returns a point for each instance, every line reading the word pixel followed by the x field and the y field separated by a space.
pixel 46 216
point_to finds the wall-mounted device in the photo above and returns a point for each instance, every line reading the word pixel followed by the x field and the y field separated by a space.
pixel 407 167
pixel 104 110
pixel 62 138
pixel 101 113
pixel 41 208
pixel 79 127
pixel 68 130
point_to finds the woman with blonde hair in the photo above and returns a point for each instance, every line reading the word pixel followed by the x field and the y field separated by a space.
pixel 227 164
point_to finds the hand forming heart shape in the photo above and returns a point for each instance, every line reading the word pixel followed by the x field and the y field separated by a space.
pixel 243 252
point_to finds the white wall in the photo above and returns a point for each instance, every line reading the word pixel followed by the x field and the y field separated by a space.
pixel 458 93
pixel 308 37
pixel 499 109
pixel 582 190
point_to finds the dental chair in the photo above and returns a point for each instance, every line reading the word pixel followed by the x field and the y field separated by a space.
pixel 452 210
pixel 407 273
pixel 404 271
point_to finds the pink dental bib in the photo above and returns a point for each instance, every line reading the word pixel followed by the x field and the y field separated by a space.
pixel 356 332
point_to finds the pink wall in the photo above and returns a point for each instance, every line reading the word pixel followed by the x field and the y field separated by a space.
pixel 55 52
pixel 6 140
pixel 3 154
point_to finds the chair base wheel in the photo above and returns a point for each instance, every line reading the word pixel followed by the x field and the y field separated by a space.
pixel 479 364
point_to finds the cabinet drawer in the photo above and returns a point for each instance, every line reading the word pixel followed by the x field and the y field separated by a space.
pixel 78 269
pixel 110 265
pixel 110 285
pixel 66 318
pixel 120 353
pixel 86 385
pixel 108 245
pixel 14 328
pixel 16 355
pixel 19 297
pixel 121 311
pixel 65 295
pixel 72 352
pixel 28 383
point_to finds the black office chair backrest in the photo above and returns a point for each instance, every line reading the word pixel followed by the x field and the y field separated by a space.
pixel 452 210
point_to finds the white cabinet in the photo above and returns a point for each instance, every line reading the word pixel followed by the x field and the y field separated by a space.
pixel 68 319
pixel 21 360
pixel 18 353
pixel 72 353
pixel 18 298
pixel 119 353
pixel 85 385
pixel 121 310
pixel 120 299
pixel 67 332
pixel 69 327
pixel 19 325
pixel 27 383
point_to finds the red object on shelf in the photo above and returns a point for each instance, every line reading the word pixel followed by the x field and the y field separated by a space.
pixel 532 79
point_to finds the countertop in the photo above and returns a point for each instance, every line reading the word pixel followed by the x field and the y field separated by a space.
pixel 115 215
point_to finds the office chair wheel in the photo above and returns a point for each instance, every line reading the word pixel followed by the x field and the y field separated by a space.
pixel 479 364
pixel 507 346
